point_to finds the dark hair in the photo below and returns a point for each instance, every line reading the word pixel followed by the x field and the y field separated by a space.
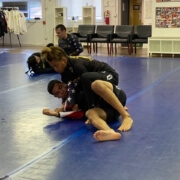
pixel 51 85
pixel 61 26
pixel 50 45
pixel 31 63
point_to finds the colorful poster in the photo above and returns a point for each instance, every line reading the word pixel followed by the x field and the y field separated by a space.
pixel 167 0
pixel 168 17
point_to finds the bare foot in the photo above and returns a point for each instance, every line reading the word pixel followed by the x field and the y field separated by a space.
pixel 126 124
pixel 106 135
pixel 87 122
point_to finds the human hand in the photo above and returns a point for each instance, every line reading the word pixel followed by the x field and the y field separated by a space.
pixel 50 112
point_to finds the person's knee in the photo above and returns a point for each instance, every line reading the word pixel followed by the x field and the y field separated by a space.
pixel 97 86
pixel 88 113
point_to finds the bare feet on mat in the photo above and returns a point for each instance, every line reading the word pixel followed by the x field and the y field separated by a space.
pixel 126 124
pixel 106 135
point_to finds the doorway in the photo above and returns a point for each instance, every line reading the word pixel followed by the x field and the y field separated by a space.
pixel 125 12
pixel 131 12
pixel 135 12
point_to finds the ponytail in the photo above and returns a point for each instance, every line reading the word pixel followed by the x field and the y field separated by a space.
pixel 53 53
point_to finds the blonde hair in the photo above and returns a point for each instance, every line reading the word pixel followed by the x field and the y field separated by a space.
pixel 53 53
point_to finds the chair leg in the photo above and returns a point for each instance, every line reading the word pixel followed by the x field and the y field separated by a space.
pixel 108 48
pixel 115 48
pixel 96 48
pixel 112 48
pixel 135 48
pixel 90 47
pixel 129 49
pixel 3 41
pixel 93 47
pixel 87 48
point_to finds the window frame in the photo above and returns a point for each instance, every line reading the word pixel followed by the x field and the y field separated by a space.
pixel 28 12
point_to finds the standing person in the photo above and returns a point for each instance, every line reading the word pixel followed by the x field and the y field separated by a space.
pixel 88 72
pixel 68 42
pixel 100 116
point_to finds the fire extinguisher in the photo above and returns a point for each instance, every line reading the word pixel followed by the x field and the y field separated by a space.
pixel 106 16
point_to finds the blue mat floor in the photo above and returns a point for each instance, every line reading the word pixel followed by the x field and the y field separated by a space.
pixel 38 147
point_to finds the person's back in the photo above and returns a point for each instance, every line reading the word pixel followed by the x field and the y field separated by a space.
pixel 77 66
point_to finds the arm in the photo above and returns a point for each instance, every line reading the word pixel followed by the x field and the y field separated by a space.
pixel 77 46
pixel 54 112
pixel 49 112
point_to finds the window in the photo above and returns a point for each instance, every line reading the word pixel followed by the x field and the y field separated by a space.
pixel 74 7
pixel 31 9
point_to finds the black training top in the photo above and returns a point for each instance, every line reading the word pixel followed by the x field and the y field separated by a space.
pixel 41 67
pixel 77 66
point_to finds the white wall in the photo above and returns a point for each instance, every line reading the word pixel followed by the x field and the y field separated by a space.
pixel 164 32
pixel 114 7
pixel 39 34
pixel 147 12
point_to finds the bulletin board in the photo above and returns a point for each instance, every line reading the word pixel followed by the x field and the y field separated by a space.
pixel 167 17
pixel 167 0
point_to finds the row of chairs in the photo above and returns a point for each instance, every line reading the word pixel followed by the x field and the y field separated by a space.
pixel 112 35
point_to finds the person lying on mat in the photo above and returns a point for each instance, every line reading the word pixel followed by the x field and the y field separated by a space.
pixel 88 72
pixel 37 65
pixel 99 116
pixel 73 105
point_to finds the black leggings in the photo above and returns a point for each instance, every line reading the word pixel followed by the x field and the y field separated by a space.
pixel 89 77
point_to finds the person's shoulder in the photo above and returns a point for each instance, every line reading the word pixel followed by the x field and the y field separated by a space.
pixel 73 36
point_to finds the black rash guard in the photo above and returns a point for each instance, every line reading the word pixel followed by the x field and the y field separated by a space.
pixel 78 66
pixel 87 72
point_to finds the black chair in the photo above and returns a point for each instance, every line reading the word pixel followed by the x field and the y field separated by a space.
pixel 142 32
pixel 102 35
pixel 83 31
pixel 121 35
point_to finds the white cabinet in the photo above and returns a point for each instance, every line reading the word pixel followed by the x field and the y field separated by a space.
pixel 89 15
pixel 164 45
pixel 60 17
